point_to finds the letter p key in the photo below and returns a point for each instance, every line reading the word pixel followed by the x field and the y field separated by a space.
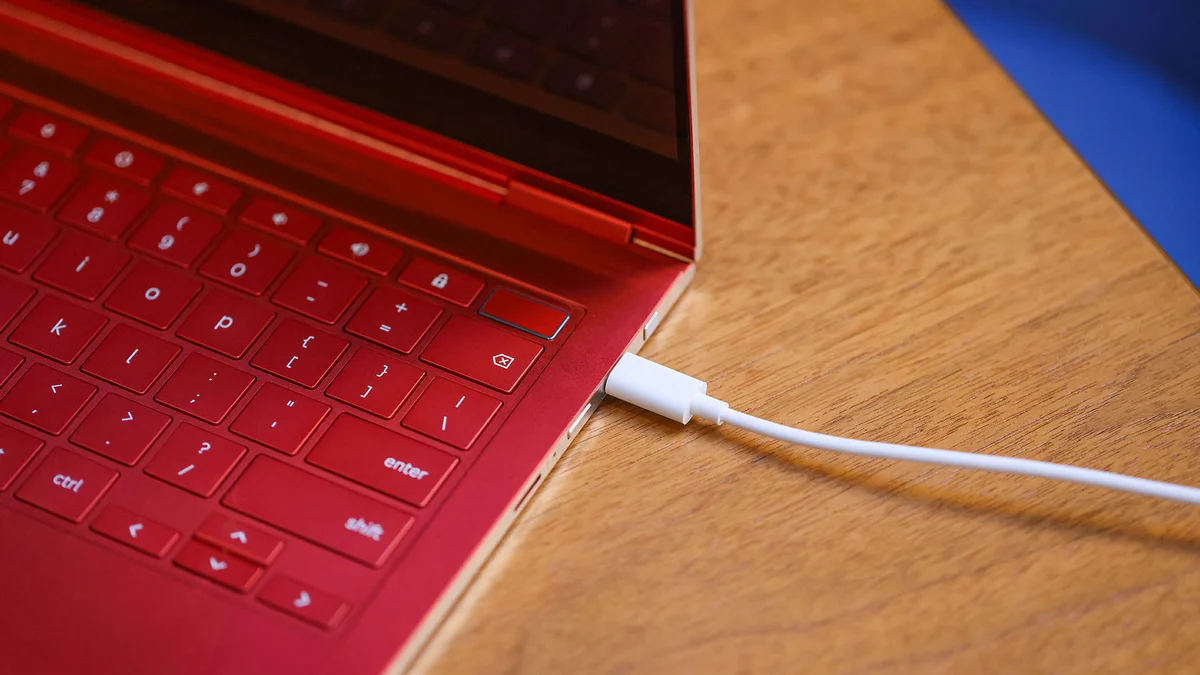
pixel 224 322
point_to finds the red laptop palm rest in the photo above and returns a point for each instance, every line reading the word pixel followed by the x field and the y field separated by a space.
pixel 299 302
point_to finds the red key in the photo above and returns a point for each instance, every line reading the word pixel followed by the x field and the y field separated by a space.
pixel 247 261
pixel 125 159
pixel 9 362
pixel 311 507
pixel 481 352
pixel 280 219
pixel 19 447
pixel 121 524
pixel 279 419
pixel 81 266
pixel 120 429
pixel 5 106
pixel 369 253
pixel 319 289
pixel 175 233
pixel 195 460
pixel 202 189
pixel 375 383
pixel 239 539
pixel 527 314
pixel 46 399
pixel 13 296
pixel 25 235
pixel 393 319
pixel 36 178
pixel 49 132
pixel 104 206
pixel 304 602
pixel 451 413
pixel 218 566
pixel 153 295
pixel 225 323
pixel 383 460
pixel 67 485
pixel 58 329
pixel 131 359
pixel 204 388
pixel 299 354
pixel 444 282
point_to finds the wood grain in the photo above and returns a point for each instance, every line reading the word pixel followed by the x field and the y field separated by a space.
pixel 899 248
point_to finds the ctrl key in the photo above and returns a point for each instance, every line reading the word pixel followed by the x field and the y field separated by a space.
pixel 67 485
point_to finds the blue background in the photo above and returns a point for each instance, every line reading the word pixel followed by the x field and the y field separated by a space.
pixel 1120 80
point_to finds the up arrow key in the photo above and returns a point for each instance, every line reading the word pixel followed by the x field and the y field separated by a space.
pixel 238 536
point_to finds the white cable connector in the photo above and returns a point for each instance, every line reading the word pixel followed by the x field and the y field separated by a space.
pixel 672 394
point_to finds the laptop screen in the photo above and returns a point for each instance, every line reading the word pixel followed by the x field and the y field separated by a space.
pixel 593 92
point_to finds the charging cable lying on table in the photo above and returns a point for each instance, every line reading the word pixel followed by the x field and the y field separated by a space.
pixel 672 394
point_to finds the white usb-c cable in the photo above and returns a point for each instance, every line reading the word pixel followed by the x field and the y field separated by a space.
pixel 672 394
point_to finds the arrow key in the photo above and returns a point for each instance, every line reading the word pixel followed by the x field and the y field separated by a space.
pixel 303 602
pixel 120 429
pixel 127 527
pixel 46 399
pixel 239 539
pixel 216 565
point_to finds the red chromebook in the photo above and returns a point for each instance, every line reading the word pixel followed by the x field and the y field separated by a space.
pixel 301 300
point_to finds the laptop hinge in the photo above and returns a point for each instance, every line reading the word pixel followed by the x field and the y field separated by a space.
pixel 560 209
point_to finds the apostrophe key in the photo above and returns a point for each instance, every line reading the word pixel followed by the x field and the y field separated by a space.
pixel 279 419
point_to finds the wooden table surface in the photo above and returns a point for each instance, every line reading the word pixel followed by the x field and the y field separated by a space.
pixel 899 248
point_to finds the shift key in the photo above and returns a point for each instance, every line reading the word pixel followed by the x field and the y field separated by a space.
pixel 316 509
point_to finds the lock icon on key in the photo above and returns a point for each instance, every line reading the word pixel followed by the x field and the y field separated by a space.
pixel 440 281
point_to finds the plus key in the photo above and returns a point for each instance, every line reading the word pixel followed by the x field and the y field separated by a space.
pixel 394 319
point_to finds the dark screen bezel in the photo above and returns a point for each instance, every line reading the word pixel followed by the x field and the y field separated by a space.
pixel 544 143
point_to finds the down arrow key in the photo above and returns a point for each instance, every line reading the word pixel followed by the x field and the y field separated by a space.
pixel 215 565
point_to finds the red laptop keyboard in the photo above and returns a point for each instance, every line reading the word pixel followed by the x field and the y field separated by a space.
pixel 215 378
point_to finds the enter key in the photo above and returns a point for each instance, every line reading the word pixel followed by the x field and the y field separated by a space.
pixel 383 460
